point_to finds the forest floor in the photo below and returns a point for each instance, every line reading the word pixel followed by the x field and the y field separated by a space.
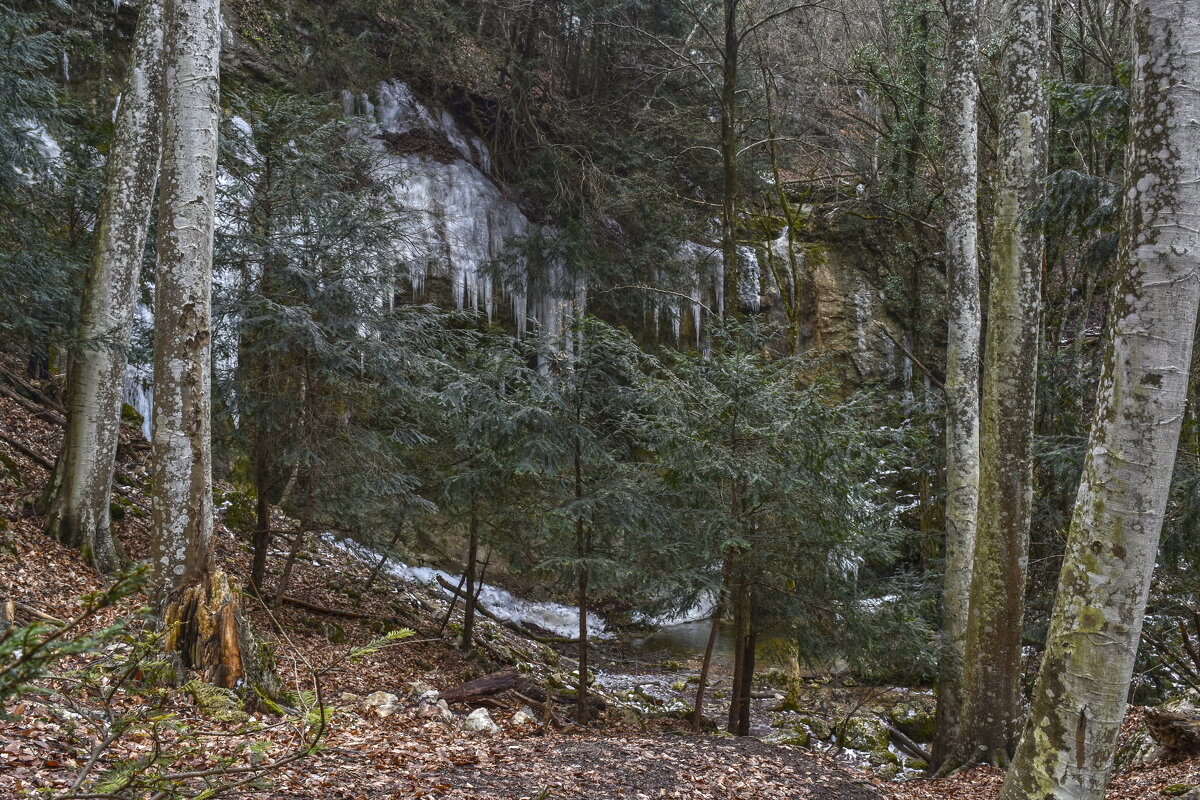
pixel 413 749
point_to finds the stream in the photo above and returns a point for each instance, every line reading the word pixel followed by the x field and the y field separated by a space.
pixel 656 672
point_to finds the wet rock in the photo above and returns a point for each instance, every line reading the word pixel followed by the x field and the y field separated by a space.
pixel 913 720
pixel 480 721
pixel 866 733
pixel 383 703
pixel 817 727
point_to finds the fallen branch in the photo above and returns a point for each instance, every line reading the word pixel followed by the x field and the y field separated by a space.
pixel 25 451
pixel 908 745
pixel 334 612
pixel 34 612
pixel 37 394
pixel 29 405
pixel 928 373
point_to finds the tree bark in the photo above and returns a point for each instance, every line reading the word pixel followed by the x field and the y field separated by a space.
pixel 991 680
pixel 729 285
pixel 749 651
pixel 713 632
pixel 741 625
pixel 468 630
pixel 1067 747
pixel 182 456
pixel 962 360
pixel 80 488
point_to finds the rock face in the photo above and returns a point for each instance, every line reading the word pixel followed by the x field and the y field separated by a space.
pixel 480 721
pixel 1176 729
pixel 458 222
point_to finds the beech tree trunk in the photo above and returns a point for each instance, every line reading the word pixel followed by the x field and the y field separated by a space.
pixel 991 681
pixel 182 458
pixel 80 489
pixel 962 359
pixel 1067 747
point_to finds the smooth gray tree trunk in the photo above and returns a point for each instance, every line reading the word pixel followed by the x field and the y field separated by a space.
pixel 1068 743
pixel 182 456
pixel 81 486
pixel 962 357
pixel 991 709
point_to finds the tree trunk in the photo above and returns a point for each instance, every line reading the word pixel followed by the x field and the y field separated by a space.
pixel 306 517
pixel 962 360
pixel 749 651
pixel 80 489
pixel 581 704
pixel 468 630
pixel 261 541
pixel 729 286
pixel 713 633
pixel 183 591
pixel 991 680
pixel 383 560
pixel 741 625
pixel 1067 747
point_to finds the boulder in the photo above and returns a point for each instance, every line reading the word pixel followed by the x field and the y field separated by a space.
pixel 480 721
pixel 384 703
pixel 913 720
pixel 866 733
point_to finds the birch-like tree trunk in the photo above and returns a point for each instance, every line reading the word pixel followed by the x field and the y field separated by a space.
pixel 992 666
pixel 182 463
pixel 81 486
pixel 1067 747
pixel 962 357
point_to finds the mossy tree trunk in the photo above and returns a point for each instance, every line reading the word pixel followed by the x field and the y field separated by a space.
pixel 991 681
pixel 1068 744
pixel 79 491
pixel 962 359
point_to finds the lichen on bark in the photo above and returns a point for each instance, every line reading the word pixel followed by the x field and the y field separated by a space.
pixel 1069 743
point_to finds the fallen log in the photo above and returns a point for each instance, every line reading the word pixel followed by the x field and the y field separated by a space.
pixel 25 451
pixel 36 410
pixel 335 612
pixel 481 687
pixel 1176 732
pixel 903 742
pixel 539 695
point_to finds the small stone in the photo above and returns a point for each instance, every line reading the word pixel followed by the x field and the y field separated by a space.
pixel 480 721
pixel 416 689
pixel 384 703
pixel 348 698
pixel 521 718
